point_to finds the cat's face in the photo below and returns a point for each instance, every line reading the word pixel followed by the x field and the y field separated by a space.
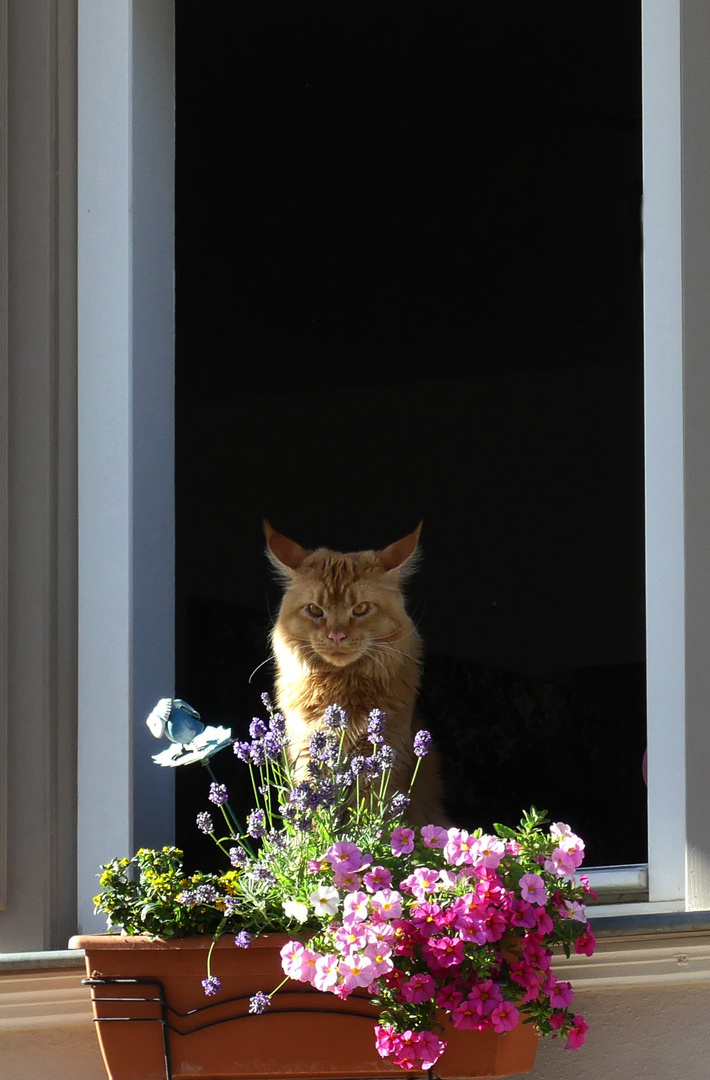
pixel 339 608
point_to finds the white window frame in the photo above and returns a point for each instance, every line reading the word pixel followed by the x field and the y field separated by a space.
pixel 125 157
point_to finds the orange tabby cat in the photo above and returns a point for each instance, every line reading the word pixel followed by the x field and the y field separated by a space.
pixel 343 637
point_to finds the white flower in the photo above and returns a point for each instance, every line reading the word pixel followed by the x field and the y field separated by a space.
pixel 294 909
pixel 325 900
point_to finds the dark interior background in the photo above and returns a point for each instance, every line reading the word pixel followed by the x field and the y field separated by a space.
pixel 409 286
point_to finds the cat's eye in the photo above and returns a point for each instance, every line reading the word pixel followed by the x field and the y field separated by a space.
pixel 314 611
pixel 361 608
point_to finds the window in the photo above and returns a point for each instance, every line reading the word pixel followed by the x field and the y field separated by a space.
pixel 418 293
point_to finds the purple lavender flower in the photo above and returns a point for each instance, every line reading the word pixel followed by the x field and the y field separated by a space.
pixel 357 764
pixel 304 797
pixel 373 767
pixel 206 894
pixel 257 753
pixel 398 804
pixel 256 823
pixel 259 1003
pixel 277 725
pixel 376 727
pixel 273 744
pixel 335 717
pixel 243 751
pixel 317 743
pixel 387 755
pixel 266 701
pixel 211 985
pixel 205 823
pixel 257 728
pixel 187 898
pixel 238 856
pixel 218 794
pixel 231 905
pixel 263 874
pixel 326 792
pixel 243 939
pixel 422 743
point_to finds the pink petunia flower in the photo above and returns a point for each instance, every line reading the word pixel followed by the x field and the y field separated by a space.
pixel 532 889
pixel 434 836
pixel 377 878
pixel 490 851
pixel 561 994
pixel 355 907
pixel 344 855
pixel 291 959
pixel 444 951
pixel 585 943
pixel 386 904
pixel 484 996
pixel 353 937
pixel 505 1017
pixel 459 847
pixel 420 987
pixel 465 1016
pixel 575 1037
pixel 326 976
pixel 348 880
pixel 402 840
pixel 356 970
pixel 379 954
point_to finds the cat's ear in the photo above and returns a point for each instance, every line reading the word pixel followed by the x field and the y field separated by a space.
pixel 402 555
pixel 285 554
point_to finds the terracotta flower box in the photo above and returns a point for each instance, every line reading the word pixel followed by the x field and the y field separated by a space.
pixel 155 1023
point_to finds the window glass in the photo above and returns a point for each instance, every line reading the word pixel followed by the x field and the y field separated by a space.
pixel 409 286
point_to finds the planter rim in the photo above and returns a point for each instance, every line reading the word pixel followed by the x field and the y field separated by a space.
pixel 145 941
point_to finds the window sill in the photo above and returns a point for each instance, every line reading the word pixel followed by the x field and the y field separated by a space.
pixel 642 950
pixel 43 990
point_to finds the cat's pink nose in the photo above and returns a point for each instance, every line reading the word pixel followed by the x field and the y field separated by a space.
pixel 336 636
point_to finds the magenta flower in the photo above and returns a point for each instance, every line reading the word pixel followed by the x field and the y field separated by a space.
pixel 419 988
pixel 444 951
pixel 484 996
pixel 505 1017
pixel 465 1016
pixel 402 840
pixel 426 918
pixel 575 1037
pixel 448 997
pixel 561 994
pixel 585 943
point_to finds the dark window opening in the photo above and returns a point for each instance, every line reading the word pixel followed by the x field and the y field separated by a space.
pixel 409 286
